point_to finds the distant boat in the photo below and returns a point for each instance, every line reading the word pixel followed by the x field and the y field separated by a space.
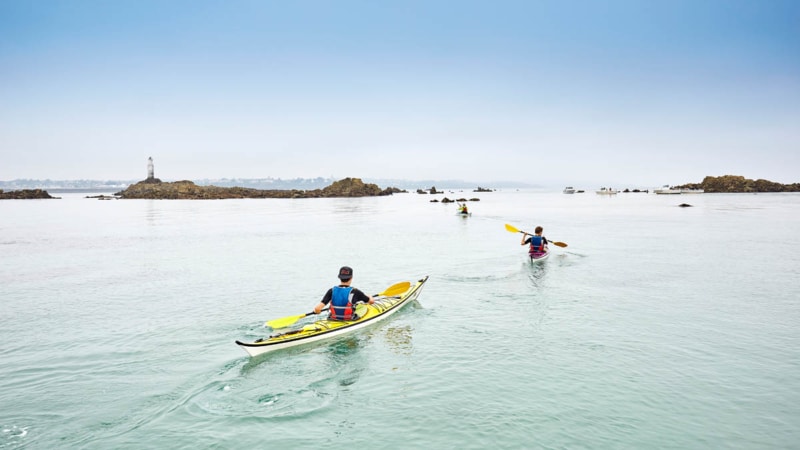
pixel 692 191
pixel 606 191
pixel 667 190
pixel 569 190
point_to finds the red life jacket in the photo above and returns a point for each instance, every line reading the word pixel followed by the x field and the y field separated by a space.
pixel 537 244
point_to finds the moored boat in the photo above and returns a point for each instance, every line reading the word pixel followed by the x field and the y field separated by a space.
pixel 606 191
pixel 667 190
pixel 569 190
pixel 323 329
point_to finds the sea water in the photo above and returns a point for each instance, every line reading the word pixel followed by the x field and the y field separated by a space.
pixel 658 326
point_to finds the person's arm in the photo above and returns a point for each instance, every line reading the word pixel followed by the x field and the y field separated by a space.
pixel 524 241
pixel 544 240
pixel 359 296
pixel 325 300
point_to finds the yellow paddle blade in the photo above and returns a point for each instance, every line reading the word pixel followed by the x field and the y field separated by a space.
pixel 559 244
pixel 396 289
pixel 284 321
pixel 511 229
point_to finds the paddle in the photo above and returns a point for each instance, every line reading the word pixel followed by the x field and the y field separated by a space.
pixel 283 322
pixel 515 230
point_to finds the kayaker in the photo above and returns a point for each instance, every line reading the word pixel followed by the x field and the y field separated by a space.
pixel 537 242
pixel 343 297
pixel 463 208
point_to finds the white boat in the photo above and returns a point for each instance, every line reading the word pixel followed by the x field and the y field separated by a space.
pixel 606 191
pixel 692 191
pixel 667 190
pixel 569 190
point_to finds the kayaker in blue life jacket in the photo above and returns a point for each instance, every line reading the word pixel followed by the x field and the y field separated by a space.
pixel 343 298
pixel 537 242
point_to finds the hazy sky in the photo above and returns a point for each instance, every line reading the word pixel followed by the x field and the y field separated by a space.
pixel 622 93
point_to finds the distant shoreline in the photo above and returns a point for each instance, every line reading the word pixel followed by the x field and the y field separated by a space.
pixel 178 189
pixel 257 183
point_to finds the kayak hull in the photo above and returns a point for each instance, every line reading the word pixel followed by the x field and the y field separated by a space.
pixel 539 257
pixel 324 329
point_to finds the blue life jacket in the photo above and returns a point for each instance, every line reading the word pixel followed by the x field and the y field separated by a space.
pixel 537 244
pixel 341 303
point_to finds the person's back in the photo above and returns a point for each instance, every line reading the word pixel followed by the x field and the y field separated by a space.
pixel 538 243
pixel 343 298
pixel 341 303
pixel 537 246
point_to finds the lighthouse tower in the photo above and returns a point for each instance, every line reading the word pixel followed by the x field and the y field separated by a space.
pixel 150 175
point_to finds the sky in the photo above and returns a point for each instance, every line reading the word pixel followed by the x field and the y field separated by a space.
pixel 584 93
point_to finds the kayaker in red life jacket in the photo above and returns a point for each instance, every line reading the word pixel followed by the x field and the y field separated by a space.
pixel 537 241
pixel 462 208
pixel 343 298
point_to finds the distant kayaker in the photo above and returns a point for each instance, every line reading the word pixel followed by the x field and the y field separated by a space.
pixel 343 297
pixel 463 208
pixel 537 242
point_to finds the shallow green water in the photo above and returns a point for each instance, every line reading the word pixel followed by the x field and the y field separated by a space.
pixel 658 327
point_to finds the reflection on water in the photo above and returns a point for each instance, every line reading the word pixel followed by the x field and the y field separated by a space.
pixel 399 339
pixel 350 208
pixel 536 272
pixel 343 355
pixel 341 348
pixel 152 213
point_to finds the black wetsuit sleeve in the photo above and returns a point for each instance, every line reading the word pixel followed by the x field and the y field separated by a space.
pixel 327 297
pixel 359 296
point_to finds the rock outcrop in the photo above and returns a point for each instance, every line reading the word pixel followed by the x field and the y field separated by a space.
pixel 187 190
pixel 25 194
pixel 737 183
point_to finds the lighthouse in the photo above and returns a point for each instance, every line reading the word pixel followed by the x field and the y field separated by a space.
pixel 150 175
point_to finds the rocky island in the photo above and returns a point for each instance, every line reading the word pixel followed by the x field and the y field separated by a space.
pixel 25 194
pixel 153 188
pixel 739 184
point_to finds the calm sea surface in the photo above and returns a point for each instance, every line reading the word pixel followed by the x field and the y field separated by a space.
pixel 658 327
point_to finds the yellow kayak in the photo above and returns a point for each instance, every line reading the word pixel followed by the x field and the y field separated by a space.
pixel 383 307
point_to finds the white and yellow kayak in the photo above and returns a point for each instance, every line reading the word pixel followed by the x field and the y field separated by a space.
pixel 386 304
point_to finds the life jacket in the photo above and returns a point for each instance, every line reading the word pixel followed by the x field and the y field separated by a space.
pixel 537 245
pixel 341 303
